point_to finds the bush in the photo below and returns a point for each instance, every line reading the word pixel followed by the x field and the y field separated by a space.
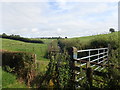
pixel 67 44
pixel 58 72
pixel 98 43
pixel 20 63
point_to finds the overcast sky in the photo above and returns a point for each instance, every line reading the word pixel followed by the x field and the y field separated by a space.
pixel 58 18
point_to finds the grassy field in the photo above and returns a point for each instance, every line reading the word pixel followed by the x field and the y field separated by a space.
pixel 88 39
pixel 13 45
pixel 42 66
pixel 41 49
pixel 9 81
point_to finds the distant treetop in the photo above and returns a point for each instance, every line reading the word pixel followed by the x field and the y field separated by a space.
pixel 112 30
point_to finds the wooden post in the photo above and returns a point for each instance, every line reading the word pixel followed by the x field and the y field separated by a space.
pixel 33 49
pixel 73 56
pixel 87 64
pixel 89 55
pixel 74 53
pixel 98 55
pixel 89 73
pixel 109 53
pixel 34 58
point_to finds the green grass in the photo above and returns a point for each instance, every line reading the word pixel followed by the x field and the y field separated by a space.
pixel 84 39
pixel 88 39
pixel 9 81
pixel 13 45
pixel 42 66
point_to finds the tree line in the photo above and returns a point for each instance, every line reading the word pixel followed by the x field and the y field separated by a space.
pixel 18 37
pixel 52 37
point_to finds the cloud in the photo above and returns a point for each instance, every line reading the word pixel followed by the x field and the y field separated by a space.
pixel 35 30
pixel 59 1
pixel 58 18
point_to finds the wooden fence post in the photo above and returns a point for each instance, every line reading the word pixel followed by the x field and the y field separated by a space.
pixel 89 74
pixel 34 58
pixel 73 56
pixel 109 53
pixel 87 64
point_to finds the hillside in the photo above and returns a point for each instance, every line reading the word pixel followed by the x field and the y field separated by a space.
pixel 14 45
pixel 11 80
pixel 87 39
pixel 41 49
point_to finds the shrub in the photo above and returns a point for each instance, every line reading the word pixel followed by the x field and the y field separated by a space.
pixel 20 63
pixel 97 43
pixel 58 72
pixel 67 44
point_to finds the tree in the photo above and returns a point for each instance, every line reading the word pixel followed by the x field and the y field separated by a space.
pixel 112 30
pixel 65 37
pixel 4 34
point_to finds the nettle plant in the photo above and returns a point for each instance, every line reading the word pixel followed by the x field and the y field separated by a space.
pixel 63 69
pixel 59 68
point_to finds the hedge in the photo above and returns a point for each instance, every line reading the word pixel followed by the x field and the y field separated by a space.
pixel 20 63
pixel 22 39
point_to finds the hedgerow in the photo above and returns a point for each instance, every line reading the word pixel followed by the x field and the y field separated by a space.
pixel 20 63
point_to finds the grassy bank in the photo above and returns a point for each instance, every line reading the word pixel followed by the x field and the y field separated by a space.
pixel 14 45
pixel 10 81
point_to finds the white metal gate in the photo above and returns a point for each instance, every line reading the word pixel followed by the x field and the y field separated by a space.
pixel 94 58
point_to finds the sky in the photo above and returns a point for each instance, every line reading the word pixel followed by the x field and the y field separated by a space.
pixel 57 18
